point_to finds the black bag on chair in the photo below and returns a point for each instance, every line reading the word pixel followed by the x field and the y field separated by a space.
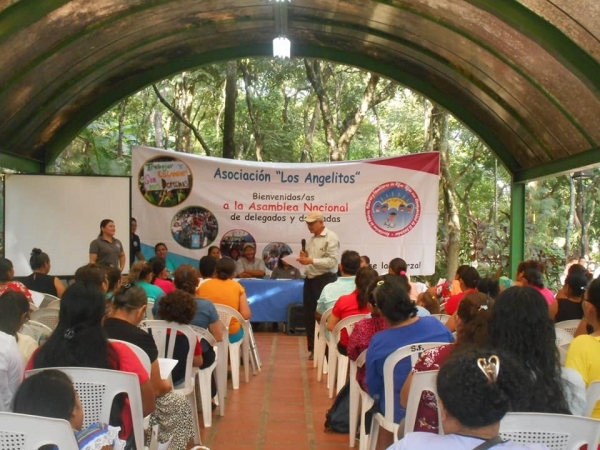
pixel 337 419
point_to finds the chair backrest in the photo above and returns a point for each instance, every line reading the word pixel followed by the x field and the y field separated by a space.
pixel 347 323
pixel 556 431
pixel 47 316
pixel 141 354
pixel 48 299
pixel 165 334
pixel 593 396
pixel 54 304
pixel 413 351
pixel 562 353
pixel 441 317
pixel 38 298
pixel 25 432
pixel 226 313
pixel 149 313
pixel 37 331
pixel 323 322
pixel 568 325
pixel 98 387
pixel 204 334
pixel 421 381
pixel 563 336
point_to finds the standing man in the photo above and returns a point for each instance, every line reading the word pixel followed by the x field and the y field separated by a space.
pixel 134 244
pixel 321 259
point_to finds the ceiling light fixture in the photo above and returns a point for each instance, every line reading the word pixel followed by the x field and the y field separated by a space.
pixel 281 44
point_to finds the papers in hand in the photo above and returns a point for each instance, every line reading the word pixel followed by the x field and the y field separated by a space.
pixel 166 366
pixel 292 261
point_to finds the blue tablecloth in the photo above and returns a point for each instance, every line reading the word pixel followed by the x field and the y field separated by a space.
pixel 269 299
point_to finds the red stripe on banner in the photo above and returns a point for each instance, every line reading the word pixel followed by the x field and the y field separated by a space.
pixel 424 162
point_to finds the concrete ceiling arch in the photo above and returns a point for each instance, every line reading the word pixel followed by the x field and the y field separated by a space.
pixel 523 74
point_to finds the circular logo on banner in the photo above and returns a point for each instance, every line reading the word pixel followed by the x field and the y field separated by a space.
pixel 194 227
pixel 393 209
pixel 165 181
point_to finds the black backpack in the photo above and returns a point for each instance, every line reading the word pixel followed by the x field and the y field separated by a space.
pixel 337 419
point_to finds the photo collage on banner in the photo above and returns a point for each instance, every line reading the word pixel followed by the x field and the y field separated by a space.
pixel 384 208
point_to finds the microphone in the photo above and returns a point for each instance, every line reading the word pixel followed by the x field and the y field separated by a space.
pixel 304 245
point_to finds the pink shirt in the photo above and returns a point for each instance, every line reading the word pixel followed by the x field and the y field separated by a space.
pixel 547 293
pixel 165 285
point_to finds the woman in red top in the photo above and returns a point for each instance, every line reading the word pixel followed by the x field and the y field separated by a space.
pixel 7 273
pixel 352 304
pixel 472 318
pixel 79 341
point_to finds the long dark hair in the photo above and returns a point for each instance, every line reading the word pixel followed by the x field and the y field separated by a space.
pixel 521 326
pixel 364 278
pixel 13 305
pixel 79 340
pixel 6 266
pixel 392 298
pixel 49 393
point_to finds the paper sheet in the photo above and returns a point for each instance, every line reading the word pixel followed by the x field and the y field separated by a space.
pixel 166 366
pixel 291 260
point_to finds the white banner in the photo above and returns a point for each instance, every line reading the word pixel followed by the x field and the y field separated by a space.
pixel 382 208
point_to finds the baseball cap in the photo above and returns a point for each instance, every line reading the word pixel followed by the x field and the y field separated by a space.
pixel 313 216
pixel 248 244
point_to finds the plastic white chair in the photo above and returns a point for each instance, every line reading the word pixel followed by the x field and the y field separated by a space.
pixel 165 335
pixel 205 375
pixel 562 355
pixel 141 354
pixel 421 381
pixel 556 431
pixel 360 403
pixel 25 432
pixel 226 313
pixel 54 304
pixel 593 396
pixel 149 313
pixel 47 316
pixel 339 360
pixel 568 325
pixel 38 298
pixel 37 331
pixel 387 421
pixel 98 387
pixel 442 317
pixel 48 300
pixel 563 337
pixel 320 345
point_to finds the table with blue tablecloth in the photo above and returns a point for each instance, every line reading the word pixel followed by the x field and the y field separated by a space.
pixel 269 299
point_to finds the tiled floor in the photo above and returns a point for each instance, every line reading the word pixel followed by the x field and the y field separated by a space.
pixel 283 406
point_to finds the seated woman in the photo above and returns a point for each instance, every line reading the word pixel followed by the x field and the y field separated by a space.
pixel 406 328
pixel 161 252
pixel 583 351
pixel 79 341
pixel 531 273
pixel 365 261
pixel 284 271
pixel 141 275
pixel 521 327
pixel 214 252
pixel 398 266
pixel 223 290
pixel 180 307
pixel 14 312
pixel 476 388
pixel 569 301
pixel 51 393
pixel 472 319
pixel 487 286
pixel 39 280
pixel 351 304
pixel 160 276
pixel 7 274
pixel 173 413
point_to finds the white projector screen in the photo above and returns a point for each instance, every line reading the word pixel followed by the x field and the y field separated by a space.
pixel 61 215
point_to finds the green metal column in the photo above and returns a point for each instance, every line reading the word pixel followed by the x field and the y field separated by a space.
pixel 517 226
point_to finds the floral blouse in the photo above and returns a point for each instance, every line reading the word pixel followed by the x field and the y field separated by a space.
pixel 359 341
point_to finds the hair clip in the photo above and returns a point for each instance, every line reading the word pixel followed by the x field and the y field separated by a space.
pixel 69 333
pixel 403 272
pixel 490 367
pixel 380 283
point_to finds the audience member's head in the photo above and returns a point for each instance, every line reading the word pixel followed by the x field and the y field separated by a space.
pixel 39 261
pixel 186 278
pixel 113 275
pixel 160 250
pixel 473 319
pixel 528 264
pixel 460 270
pixel 477 387
pixel 140 271
pixel 520 325
pixel 177 306
pixel 92 274
pixel 214 251
pixel 427 301
pixel 532 277
pixel 365 261
pixel 469 278
pixel 207 266
pixel 576 283
pixel 14 311
pixel 591 305
pixel 350 262
pixel 130 298
pixel 159 268
pixel 392 299
pixel 398 266
pixel 489 286
pixel 225 268
pixel 364 279
pixel 79 339
pixel 49 393
pixel 7 271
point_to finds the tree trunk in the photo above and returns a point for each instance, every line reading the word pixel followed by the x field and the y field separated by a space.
pixel 436 139
pixel 310 132
pixel 570 219
pixel 254 115
pixel 122 110
pixel 158 128
pixel 230 100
